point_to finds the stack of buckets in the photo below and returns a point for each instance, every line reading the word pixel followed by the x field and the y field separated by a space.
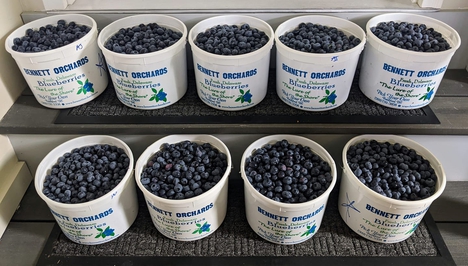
pixel 380 80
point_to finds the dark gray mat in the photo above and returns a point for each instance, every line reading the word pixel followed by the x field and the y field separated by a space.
pixel 235 243
pixel 358 109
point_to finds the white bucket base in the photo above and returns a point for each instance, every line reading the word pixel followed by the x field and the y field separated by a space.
pixel 374 216
pixel 284 223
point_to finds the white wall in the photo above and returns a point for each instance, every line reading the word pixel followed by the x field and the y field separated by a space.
pixel 455 4
pixel 42 5
pixel 11 80
pixel 11 85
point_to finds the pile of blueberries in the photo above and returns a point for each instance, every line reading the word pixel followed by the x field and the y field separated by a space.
pixel 231 39
pixel 183 170
pixel 287 172
pixel 86 173
pixel 409 36
pixel 49 37
pixel 142 39
pixel 392 170
pixel 316 38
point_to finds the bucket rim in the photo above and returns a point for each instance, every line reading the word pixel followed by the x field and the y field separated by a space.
pixel 282 205
pixel 394 203
pixel 155 146
pixel 378 18
pixel 67 17
pixel 263 49
pixel 39 176
pixel 359 47
pixel 181 41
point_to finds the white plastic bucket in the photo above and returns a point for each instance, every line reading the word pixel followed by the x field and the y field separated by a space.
pixel 374 216
pixel 65 77
pixel 100 220
pixel 152 80
pixel 316 82
pixel 399 78
pixel 187 219
pixel 285 223
pixel 216 76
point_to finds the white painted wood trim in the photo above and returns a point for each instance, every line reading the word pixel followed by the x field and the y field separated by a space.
pixel 55 4
pixel 17 181
pixel 431 3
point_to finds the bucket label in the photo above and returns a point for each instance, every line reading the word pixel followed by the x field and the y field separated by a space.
pixel 227 89
pixel 377 224
pixel 92 229
pixel 64 85
pixel 143 89
pixel 313 90
pixel 407 88
pixel 287 229
pixel 189 225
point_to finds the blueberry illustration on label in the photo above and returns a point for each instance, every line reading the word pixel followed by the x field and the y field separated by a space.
pixel 202 228
pixel 244 97
pixel 428 95
pixel 329 98
pixel 85 87
pixel 159 95
pixel 105 233
pixel 415 226
pixel 310 230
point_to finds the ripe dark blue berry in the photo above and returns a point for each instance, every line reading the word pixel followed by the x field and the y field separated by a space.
pixel 288 180
pixel 184 170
